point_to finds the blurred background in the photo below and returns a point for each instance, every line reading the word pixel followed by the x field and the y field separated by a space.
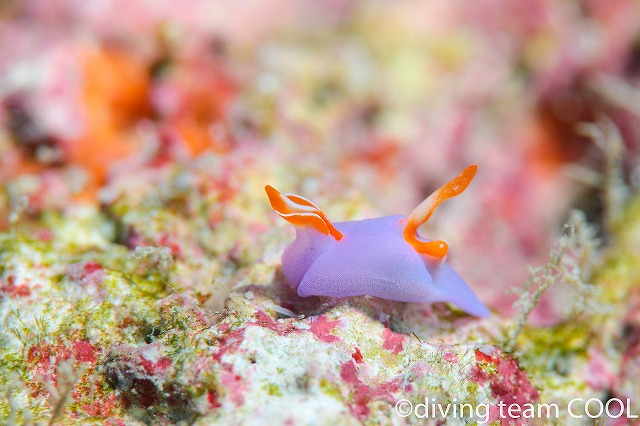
pixel 365 107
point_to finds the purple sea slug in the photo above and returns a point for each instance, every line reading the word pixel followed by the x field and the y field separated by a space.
pixel 383 257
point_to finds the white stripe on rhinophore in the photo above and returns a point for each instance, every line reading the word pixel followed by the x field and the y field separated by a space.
pixel 303 198
pixel 295 206
pixel 301 214
pixel 307 215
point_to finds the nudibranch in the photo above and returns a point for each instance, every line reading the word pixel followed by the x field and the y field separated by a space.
pixel 382 257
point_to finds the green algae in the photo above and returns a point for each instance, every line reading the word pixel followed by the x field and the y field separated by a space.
pixel 96 310
pixel 550 350
pixel 330 388
pixel 272 389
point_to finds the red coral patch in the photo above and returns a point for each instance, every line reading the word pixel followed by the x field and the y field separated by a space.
pixel 393 342
pixel 264 320
pixel 282 328
pixel 85 351
pixel 151 367
pixel 364 394
pixel 235 385
pixel 508 385
pixel 357 356
pixel 87 274
pixel 91 267
pixel 212 399
pixel 451 357
pixel 100 407
pixel 10 287
pixel 322 327
pixel 230 342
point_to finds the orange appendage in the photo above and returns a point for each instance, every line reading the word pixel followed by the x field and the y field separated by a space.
pixel 423 212
pixel 299 211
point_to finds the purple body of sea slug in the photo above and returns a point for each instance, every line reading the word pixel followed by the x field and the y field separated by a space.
pixel 382 257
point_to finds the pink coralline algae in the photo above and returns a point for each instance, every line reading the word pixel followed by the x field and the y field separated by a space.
pixel 10 288
pixel 451 357
pixel 393 342
pixel 144 378
pixel 509 384
pixel 101 407
pixel 85 351
pixel 364 394
pixel 322 327
pixel 89 274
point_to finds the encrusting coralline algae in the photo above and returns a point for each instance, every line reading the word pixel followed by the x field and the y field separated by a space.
pixel 141 279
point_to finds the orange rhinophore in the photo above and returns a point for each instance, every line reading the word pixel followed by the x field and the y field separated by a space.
pixel 423 212
pixel 299 211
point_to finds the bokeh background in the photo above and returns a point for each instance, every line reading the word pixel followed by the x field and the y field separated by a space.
pixel 369 101
pixel 167 118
